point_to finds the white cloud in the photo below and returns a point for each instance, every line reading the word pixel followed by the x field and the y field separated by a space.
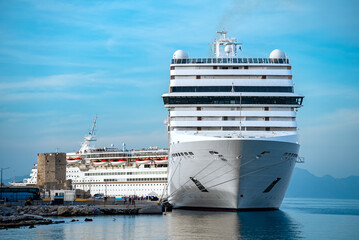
pixel 17 115
pixel 330 90
pixel 54 81
pixel 75 86
pixel 96 7
pixel 8 54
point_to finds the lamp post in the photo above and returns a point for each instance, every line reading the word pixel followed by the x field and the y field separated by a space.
pixel 2 182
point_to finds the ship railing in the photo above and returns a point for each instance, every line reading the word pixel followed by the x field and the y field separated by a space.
pixel 243 134
pixel 231 60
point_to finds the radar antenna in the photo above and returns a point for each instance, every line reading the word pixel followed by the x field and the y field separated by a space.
pixel 225 47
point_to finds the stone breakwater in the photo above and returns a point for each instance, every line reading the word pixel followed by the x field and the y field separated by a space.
pixel 32 215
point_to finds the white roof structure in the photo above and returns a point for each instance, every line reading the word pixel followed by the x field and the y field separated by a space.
pixel 180 54
pixel 277 53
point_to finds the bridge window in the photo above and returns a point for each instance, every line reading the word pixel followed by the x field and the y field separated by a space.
pixel 233 100
pixel 231 88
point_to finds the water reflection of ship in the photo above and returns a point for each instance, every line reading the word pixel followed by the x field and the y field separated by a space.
pixel 268 225
pixel 231 225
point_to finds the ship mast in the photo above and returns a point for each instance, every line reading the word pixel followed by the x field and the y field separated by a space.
pixel 93 126
pixel 89 138
pixel 225 47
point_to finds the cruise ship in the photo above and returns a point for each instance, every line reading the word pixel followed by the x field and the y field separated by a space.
pixel 232 131
pixel 114 172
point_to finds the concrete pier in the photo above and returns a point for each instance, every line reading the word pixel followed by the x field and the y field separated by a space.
pixel 19 216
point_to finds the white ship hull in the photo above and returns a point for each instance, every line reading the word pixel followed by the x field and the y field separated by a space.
pixel 250 174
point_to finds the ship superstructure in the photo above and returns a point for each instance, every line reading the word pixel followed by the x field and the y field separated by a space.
pixel 115 172
pixel 232 130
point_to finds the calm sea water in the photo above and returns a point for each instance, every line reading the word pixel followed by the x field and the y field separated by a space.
pixel 298 219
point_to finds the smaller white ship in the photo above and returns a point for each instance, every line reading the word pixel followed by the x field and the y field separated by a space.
pixel 30 181
pixel 115 172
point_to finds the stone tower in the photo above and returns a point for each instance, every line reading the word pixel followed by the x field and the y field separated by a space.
pixel 51 170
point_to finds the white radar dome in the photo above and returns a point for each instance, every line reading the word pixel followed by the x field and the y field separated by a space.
pixel 277 53
pixel 180 54
pixel 228 49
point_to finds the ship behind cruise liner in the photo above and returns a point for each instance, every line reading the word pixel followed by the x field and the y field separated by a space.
pixel 112 172
pixel 232 131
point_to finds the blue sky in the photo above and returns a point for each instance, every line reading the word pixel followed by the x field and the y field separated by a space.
pixel 63 62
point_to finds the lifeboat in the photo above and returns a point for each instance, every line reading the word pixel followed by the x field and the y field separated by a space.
pixel 118 161
pixel 143 160
pixel 161 160
pixel 73 160
pixel 100 162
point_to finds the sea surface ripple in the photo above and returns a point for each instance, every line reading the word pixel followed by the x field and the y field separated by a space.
pixel 299 218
